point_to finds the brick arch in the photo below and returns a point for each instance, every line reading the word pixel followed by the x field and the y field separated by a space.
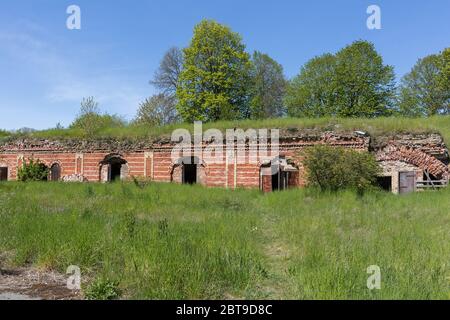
pixel 178 164
pixel 104 166
pixel 267 161
pixel 292 178
pixel 50 166
pixel 111 156
pixel 415 157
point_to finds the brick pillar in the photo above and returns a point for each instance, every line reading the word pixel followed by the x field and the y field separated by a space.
pixel 79 163
pixel 148 164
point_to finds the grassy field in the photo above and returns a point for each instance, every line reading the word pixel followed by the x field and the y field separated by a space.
pixel 174 241
pixel 374 126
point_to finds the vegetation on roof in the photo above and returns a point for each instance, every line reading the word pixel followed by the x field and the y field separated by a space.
pixel 375 127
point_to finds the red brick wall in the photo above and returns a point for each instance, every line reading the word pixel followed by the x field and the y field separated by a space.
pixel 158 167
pixel 157 164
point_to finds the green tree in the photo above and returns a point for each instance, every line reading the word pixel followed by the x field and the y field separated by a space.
pixel 170 67
pixel 90 120
pixel 365 87
pixel 4 133
pixel 311 93
pixel 268 87
pixel 214 82
pixel 425 90
pixel 158 110
pixel 352 83
pixel 444 79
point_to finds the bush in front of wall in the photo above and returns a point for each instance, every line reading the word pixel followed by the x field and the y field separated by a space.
pixel 33 170
pixel 334 168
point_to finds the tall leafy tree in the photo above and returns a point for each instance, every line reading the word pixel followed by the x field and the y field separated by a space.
pixel 166 77
pixel 352 83
pixel 312 92
pixel 213 84
pixel 268 87
pixel 365 87
pixel 425 89
pixel 444 79
pixel 157 110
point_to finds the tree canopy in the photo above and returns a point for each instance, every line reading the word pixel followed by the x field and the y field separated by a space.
pixel 213 84
pixel 170 67
pixel 312 92
pixel 157 110
pixel 425 90
pixel 352 83
pixel 268 87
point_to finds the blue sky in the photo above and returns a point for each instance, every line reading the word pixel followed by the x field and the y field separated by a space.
pixel 46 69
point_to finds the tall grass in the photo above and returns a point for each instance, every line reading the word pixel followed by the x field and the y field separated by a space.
pixel 172 241
pixel 333 238
pixel 156 245
pixel 375 126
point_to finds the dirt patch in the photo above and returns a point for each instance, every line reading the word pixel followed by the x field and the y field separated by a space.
pixel 31 284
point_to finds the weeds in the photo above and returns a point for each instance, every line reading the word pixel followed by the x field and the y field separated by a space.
pixel 168 241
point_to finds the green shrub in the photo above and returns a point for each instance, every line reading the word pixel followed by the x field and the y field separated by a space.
pixel 3 133
pixel 331 168
pixel 103 290
pixel 90 121
pixel 34 170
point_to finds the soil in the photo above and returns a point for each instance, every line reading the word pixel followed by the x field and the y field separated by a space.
pixel 31 284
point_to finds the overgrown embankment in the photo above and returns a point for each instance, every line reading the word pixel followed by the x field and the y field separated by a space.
pixel 288 126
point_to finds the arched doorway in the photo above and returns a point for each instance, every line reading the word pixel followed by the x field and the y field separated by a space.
pixel 277 175
pixel 188 170
pixel 113 168
pixel 55 172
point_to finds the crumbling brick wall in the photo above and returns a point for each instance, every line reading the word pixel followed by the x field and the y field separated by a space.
pixel 81 160
pixel 415 157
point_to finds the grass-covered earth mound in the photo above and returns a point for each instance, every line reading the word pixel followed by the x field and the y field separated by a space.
pixel 288 126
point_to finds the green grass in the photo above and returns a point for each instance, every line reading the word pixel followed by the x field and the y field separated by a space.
pixel 376 126
pixel 173 241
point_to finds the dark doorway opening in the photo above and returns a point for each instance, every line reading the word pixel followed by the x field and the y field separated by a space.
pixel 279 179
pixel 189 173
pixel 113 168
pixel 3 174
pixel 55 172
pixel 116 168
pixel 276 181
pixel 385 183
pixel 189 169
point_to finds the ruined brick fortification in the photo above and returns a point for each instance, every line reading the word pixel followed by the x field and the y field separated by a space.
pixel 109 159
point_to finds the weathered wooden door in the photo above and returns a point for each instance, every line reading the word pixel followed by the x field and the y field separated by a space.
pixel 55 172
pixel 407 182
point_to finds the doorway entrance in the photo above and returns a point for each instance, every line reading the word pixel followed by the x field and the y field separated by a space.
pixel 113 168
pixel 4 174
